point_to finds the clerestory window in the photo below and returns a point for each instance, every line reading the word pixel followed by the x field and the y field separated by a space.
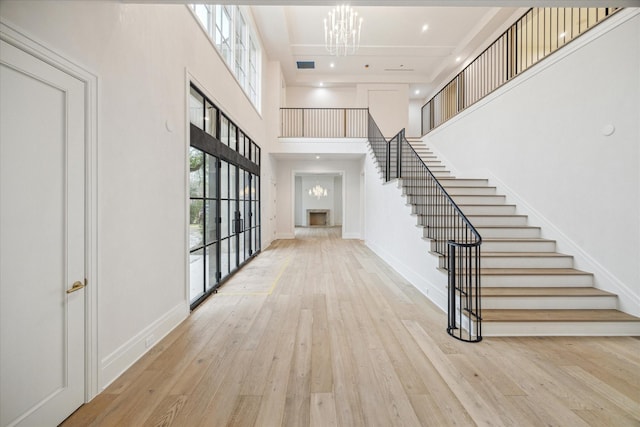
pixel 233 35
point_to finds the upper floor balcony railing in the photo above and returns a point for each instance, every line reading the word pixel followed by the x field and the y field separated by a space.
pixel 537 34
pixel 324 122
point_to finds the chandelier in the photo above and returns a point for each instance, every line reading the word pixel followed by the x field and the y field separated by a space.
pixel 342 31
pixel 317 191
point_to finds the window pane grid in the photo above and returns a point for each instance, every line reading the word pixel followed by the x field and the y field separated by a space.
pixel 233 38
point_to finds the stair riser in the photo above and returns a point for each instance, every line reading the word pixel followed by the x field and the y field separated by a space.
pixel 509 233
pixel 479 200
pixel 488 209
pixel 550 303
pixel 488 221
pixel 461 182
pixel 438 174
pixel 506 221
pixel 515 246
pixel 550 281
pixel 527 262
pixel 471 191
pixel 497 233
pixel 433 166
pixel 512 329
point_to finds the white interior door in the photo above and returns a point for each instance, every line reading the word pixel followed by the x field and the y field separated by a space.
pixel 42 349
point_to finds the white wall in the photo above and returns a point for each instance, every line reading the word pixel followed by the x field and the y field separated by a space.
pixel 141 55
pixel 321 97
pixel 285 182
pixel 337 200
pixel 391 232
pixel 540 139
pixel 388 105
pixel 414 129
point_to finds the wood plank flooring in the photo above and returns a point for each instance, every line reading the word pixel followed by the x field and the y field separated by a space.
pixel 318 331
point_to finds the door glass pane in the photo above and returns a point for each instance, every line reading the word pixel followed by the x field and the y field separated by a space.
pixel 196 276
pixel 256 213
pixel 233 192
pixel 224 257
pixel 196 172
pixel 225 220
pixel 233 247
pixel 241 248
pixel 212 266
pixel 212 177
pixel 211 223
pixel 196 218
pixel 224 180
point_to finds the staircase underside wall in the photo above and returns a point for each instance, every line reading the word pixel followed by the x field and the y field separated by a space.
pixel 391 232
pixel 542 140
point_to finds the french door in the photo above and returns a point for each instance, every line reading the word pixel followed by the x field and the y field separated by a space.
pixel 224 186
pixel 224 228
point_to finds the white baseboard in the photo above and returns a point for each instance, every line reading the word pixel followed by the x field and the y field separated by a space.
pixel 628 301
pixel 285 236
pixel 355 236
pixel 113 365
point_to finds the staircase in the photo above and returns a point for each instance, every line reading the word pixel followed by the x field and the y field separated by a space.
pixel 527 287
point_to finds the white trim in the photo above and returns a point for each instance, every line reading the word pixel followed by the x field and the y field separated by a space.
pixel 113 365
pixel 19 38
pixel 285 236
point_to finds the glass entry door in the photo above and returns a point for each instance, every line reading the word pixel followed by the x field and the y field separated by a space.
pixel 224 202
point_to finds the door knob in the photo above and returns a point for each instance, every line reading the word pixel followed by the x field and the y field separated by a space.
pixel 76 287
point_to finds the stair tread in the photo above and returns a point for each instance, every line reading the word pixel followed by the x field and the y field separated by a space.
pixel 593 315
pixel 534 291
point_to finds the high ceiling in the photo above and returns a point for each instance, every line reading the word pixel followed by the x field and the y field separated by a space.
pixel 395 46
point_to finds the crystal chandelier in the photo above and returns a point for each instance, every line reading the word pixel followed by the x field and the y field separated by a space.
pixel 317 191
pixel 342 31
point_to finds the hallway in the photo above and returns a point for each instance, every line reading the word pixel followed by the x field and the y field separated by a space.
pixel 318 331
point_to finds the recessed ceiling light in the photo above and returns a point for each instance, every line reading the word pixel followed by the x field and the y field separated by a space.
pixel 417 92
pixel 317 157
pixel 332 65
pixel 321 84
pixel 425 27
pixel 458 59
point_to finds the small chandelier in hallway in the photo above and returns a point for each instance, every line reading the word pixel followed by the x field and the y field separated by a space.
pixel 317 191
pixel 342 31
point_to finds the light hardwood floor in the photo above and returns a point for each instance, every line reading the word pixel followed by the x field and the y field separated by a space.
pixel 318 331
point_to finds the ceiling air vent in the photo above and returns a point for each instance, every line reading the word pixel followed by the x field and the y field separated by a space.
pixel 306 65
